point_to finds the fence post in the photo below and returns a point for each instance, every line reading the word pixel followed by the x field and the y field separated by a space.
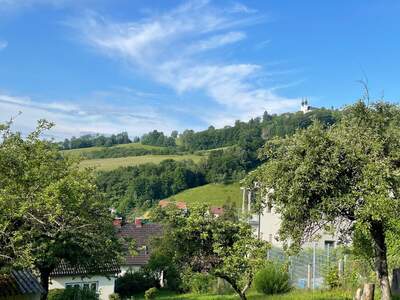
pixel 313 265
pixel 340 268
pixel 308 276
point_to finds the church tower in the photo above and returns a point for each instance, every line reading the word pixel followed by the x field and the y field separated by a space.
pixel 305 108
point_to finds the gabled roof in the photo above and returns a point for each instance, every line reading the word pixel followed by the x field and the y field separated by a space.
pixel 19 282
pixel 65 269
pixel 142 235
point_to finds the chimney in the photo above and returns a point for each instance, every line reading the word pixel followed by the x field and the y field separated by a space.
pixel 117 222
pixel 138 222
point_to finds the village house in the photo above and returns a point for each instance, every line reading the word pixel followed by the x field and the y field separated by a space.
pixel 65 276
pixel 141 232
pixel 266 224
pixel 20 285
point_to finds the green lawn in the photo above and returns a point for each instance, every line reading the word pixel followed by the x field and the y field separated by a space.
pixel 215 194
pixel 295 295
pixel 80 151
pixel 106 164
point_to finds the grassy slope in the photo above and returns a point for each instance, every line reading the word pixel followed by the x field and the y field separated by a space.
pixel 80 151
pixel 295 295
pixel 215 194
pixel 107 164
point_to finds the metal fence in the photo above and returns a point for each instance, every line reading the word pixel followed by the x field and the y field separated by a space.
pixel 308 268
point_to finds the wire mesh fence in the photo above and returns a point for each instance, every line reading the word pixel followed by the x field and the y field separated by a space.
pixel 309 267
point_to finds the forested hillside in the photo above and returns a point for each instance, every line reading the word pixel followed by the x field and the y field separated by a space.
pixel 219 156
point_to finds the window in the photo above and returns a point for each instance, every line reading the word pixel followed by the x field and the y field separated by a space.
pixel 329 245
pixel 269 207
pixel 83 285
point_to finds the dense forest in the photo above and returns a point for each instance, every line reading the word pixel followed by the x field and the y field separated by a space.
pixel 138 186
pixel 232 151
pixel 92 140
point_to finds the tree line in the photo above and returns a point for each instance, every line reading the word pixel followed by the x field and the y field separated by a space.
pixel 258 128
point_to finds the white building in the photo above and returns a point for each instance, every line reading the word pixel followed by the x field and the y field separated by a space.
pixel 267 223
pixel 305 108
pixel 65 276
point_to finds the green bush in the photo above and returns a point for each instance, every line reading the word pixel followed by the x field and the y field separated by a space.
pixel 272 279
pixel 331 278
pixel 114 296
pixel 151 293
pixel 74 293
pixel 198 283
pixel 134 282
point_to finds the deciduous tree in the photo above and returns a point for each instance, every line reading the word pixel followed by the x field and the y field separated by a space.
pixel 347 175
pixel 50 209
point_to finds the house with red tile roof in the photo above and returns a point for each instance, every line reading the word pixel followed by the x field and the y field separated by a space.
pixel 142 232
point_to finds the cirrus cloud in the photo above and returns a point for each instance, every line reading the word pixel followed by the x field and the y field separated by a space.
pixel 175 49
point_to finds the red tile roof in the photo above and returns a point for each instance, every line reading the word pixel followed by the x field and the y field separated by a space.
pixel 142 235
pixel 217 211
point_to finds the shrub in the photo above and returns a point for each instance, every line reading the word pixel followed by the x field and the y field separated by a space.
pixel 198 283
pixel 75 293
pixel 114 296
pixel 272 279
pixel 331 278
pixel 134 282
pixel 151 293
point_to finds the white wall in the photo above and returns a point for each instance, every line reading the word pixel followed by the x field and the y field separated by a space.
pixel 269 227
pixel 105 285
pixel 125 269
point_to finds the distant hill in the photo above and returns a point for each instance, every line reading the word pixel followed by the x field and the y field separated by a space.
pixel 213 194
pixel 108 164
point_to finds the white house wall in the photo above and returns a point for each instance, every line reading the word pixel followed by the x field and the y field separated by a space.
pixel 105 285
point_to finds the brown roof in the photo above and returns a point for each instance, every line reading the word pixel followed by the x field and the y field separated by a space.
pixel 142 235
pixel 19 282
pixel 65 269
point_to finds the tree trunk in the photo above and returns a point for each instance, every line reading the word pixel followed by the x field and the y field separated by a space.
pixel 44 280
pixel 242 294
pixel 381 266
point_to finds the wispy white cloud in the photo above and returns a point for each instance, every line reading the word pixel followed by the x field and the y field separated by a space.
pixel 241 8
pixel 73 120
pixel 166 48
pixel 3 44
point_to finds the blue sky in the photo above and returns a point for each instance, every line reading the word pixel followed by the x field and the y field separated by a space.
pixel 107 66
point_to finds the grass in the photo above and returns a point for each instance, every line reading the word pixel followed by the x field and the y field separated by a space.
pixel 213 193
pixel 80 151
pixel 107 164
pixel 294 295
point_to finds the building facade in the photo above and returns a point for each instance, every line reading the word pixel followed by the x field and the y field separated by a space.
pixel 266 224
pixel 65 276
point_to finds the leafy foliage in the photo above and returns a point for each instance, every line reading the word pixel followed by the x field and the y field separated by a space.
pixel 50 209
pixel 203 243
pixel 90 140
pixel 347 174
pixel 151 293
pixel 114 152
pixel 75 293
pixel 134 282
pixel 135 186
pixel 272 279
pixel 157 138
